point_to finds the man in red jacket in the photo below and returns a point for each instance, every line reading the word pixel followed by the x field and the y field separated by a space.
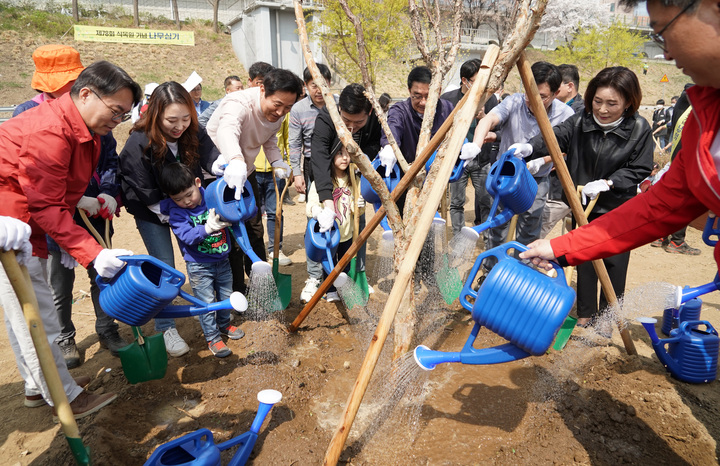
pixel 689 32
pixel 47 156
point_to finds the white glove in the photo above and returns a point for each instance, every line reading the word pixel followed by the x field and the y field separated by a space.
pixel 522 149
pixel 107 264
pixel 593 188
pixel 90 205
pixel 213 224
pixel 282 170
pixel 218 166
pixel 360 202
pixel 387 158
pixel 109 205
pixel 535 165
pixel 326 219
pixel 15 234
pixel 235 176
pixel 67 260
pixel 469 151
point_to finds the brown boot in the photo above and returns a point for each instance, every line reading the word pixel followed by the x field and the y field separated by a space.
pixel 87 403
pixel 35 401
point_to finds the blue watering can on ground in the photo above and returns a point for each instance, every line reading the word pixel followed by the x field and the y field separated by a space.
pixel 457 169
pixel 519 303
pixel 692 353
pixel 220 197
pixel 198 449
pixel 321 247
pixel 145 288
pixel 672 317
pixel 510 184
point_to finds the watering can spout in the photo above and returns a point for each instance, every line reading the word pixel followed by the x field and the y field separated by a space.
pixel 427 359
pixel 686 294
pixel 658 344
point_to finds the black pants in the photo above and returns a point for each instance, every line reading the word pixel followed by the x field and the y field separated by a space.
pixel 239 262
pixel 308 174
pixel 587 282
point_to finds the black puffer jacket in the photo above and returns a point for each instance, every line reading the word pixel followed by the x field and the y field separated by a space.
pixel 623 155
pixel 325 143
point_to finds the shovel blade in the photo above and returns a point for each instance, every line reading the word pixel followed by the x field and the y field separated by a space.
pixel 564 333
pixel 284 284
pixel 360 278
pixel 449 281
pixel 144 362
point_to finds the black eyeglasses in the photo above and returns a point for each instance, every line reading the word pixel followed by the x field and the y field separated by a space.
pixel 658 38
pixel 116 116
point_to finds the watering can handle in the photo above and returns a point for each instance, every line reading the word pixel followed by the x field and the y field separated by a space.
pixel 684 326
pixel 711 229
pixel 500 253
pixel 176 275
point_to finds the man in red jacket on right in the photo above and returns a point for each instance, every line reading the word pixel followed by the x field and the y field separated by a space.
pixel 689 32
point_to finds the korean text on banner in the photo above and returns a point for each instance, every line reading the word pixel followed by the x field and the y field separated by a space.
pixel 133 36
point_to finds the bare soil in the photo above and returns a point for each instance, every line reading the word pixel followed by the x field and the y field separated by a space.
pixel 589 404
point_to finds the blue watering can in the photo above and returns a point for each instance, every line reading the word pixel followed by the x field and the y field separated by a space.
pixel 457 169
pixel 672 317
pixel 197 448
pixel 321 247
pixel 220 197
pixel 683 295
pixel 391 181
pixel 519 303
pixel 145 288
pixel 711 229
pixel 510 183
pixel 692 354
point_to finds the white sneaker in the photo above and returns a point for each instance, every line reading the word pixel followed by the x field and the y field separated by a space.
pixel 311 286
pixel 332 297
pixel 301 198
pixel 282 259
pixel 174 344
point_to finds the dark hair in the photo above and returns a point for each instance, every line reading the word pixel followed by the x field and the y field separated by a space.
pixel 623 81
pixel 570 73
pixel 279 80
pixel 545 72
pixel 665 3
pixel 470 68
pixel 175 178
pixel 230 79
pixel 259 69
pixel 660 102
pixel 324 72
pixel 384 101
pixel 353 101
pixel 419 74
pixel 106 79
pixel 166 94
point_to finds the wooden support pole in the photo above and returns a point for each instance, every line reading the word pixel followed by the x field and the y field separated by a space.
pixel 538 109
pixel 407 267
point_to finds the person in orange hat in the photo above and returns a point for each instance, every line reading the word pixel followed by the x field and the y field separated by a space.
pixel 56 69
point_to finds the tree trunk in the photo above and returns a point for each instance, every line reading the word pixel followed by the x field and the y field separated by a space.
pixel 175 13
pixel 216 7
pixel 76 13
pixel 136 14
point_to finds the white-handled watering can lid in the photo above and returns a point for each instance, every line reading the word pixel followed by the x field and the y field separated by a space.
pixel 269 396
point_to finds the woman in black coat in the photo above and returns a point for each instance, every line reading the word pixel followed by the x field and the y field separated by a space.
pixel 167 132
pixel 609 151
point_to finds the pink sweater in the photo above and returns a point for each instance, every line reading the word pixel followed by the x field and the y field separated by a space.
pixel 239 128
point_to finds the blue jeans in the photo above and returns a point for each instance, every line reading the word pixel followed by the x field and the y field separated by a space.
pixel 267 195
pixel 529 223
pixel 478 175
pixel 159 245
pixel 211 282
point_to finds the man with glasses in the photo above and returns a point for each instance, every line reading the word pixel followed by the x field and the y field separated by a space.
pixel 405 118
pixel 515 123
pixel 47 157
pixel 689 33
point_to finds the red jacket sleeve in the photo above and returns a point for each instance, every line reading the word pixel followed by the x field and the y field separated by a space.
pixel 662 210
pixel 53 174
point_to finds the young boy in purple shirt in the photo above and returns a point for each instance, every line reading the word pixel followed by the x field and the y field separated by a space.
pixel 204 242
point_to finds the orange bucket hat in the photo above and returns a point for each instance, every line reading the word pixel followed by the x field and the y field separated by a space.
pixel 55 66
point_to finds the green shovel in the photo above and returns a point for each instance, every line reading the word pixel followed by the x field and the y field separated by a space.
pixel 358 276
pixel 145 358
